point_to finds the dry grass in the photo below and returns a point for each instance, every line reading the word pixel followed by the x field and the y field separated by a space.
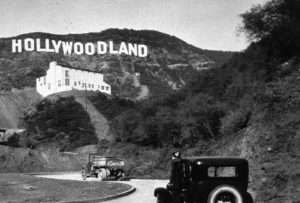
pixel 28 189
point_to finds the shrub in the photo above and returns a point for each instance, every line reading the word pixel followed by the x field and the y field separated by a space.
pixel 63 121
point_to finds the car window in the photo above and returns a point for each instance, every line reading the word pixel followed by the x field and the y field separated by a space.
pixel 224 171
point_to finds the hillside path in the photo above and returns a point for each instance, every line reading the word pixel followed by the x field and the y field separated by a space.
pixel 97 119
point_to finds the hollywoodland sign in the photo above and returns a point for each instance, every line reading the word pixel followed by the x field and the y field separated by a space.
pixel 78 48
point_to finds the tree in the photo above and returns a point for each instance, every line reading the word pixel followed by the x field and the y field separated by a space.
pixel 277 23
pixel 200 118
pixel 168 128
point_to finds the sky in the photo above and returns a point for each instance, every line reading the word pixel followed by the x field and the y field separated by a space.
pixel 207 24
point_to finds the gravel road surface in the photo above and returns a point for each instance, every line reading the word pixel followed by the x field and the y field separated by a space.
pixel 143 193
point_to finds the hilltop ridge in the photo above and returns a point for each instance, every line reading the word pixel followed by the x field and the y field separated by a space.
pixel 169 65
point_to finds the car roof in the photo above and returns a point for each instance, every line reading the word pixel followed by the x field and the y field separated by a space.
pixel 217 160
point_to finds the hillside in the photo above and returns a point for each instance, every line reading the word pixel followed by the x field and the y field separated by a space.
pixel 248 107
pixel 13 105
pixel 170 63
pixel 64 122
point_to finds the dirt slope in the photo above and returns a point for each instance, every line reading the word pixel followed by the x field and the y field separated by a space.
pixel 43 159
pixel 97 119
pixel 273 161
pixel 13 106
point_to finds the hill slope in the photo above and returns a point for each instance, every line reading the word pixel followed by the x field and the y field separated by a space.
pixel 14 105
pixel 170 63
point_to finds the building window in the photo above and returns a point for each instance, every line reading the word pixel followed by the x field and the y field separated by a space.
pixel 102 87
pixel 67 82
pixel 74 83
pixel 78 82
pixel 92 85
pixel 98 86
pixel 49 86
pixel 59 83
pixel 107 88
pixel 89 85
pixel 44 80
pixel 66 73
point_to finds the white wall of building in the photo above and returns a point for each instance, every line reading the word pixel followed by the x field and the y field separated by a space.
pixel 59 79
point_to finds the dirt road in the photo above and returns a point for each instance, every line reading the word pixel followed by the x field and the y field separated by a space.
pixel 143 193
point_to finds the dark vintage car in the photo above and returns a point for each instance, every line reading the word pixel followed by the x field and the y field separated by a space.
pixel 104 167
pixel 208 180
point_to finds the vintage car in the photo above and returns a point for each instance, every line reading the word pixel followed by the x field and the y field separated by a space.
pixel 104 167
pixel 208 180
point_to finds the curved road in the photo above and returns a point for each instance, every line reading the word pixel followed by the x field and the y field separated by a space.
pixel 143 193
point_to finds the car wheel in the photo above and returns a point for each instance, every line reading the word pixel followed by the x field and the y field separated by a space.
pixel 101 174
pixel 249 198
pixel 120 175
pixel 225 193
pixel 83 175
pixel 161 199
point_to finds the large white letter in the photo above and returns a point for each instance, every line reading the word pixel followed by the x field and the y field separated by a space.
pixel 111 48
pixel 16 44
pixel 123 48
pixel 132 49
pixel 89 49
pixel 78 48
pixel 29 44
pixel 67 47
pixel 56 45
pixel 101 47
pixel 143 50
pixel 38 45
pixel 47 46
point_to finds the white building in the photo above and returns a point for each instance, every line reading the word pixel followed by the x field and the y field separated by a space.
pixel 59 79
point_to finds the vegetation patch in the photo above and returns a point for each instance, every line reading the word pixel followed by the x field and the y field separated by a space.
pixel 29 189
pixel 63 121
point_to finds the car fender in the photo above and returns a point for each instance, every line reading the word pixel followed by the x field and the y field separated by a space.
pixel 162 191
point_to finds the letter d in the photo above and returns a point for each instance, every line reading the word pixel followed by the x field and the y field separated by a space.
pixel 143 50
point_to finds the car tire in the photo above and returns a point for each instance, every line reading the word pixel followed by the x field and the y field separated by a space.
pixel 120 175
pixel 83 174
pixel 101 174
pixel 249 198
pixel 213 195
pixel 161 199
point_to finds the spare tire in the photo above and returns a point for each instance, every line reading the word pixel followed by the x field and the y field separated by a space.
pixel 226 193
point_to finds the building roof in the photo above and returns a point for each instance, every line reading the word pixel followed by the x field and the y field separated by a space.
pixel 75 68
pixel 218 160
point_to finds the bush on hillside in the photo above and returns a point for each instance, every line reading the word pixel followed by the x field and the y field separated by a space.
pixel 111 107
pixel 63 121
